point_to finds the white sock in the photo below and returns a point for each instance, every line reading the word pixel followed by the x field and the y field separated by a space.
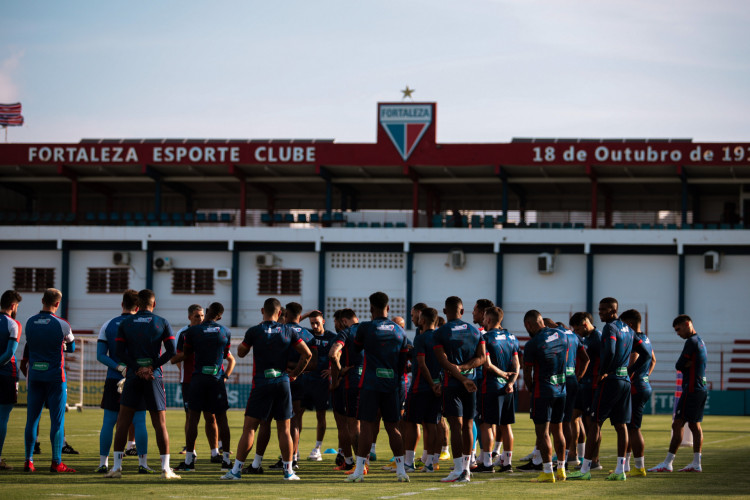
pixel 318 444
pixel 189 458
pixel 581 449
pixel 547 467
pixel 640 462
pixel 257 461
pixel 118 461
pixel 697 459
pixel 496 448
pixel 164 462
pixel 585 466
pixel 537 459
pixel 467 463
pixel 626 467
pixel 372 448
pixel 435 458
pixel 508 458
pixel 561 464
pixel 287 468
pixel 486 459
pixel 409 457
pixel 225 456
pixel 458 464
pixel 237 469
pixel 444 449
pixel 620 468
pixel 669 459
pixel 221 445
pixel 424 456
pixel 400 463
pixel 360 469
pixel 143 460
pixel 472 457
pixel 131 444
pixel 214 452
pixel 103 460
pixel 428 459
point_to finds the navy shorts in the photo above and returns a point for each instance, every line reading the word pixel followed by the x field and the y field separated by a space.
pixel 571 392
pixel 207 393
pixel 370 402
pixel 338 399
pixel 268 401
pixel 149 394
pixel 638 402
pixel 690 406
pixel 548 409
pixel 9 390
pixel 490 407
pixel 298 389
pixel 584 397
pixel 317 393
pixel 508 416
pixel 422 408
pixel 352 402
pixel 612 401
pixel 458 402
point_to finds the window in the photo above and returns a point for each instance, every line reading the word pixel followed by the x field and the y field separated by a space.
pixel 193 281
pixel 280 281
pixel 108 279
pixel 33 279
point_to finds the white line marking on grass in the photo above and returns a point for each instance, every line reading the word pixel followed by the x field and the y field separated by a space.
pixel 724 440
pixel 66 495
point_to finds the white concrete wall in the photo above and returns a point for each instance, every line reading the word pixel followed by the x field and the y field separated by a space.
pixel 32 302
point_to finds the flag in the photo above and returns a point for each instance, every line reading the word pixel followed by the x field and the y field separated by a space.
pixel 10 115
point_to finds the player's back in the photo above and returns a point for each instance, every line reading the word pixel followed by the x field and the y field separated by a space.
pixel 459 341
pixel 10 329
pixel 500 349
pixel 640 378
pixel 46 335
pixel 547 351
pixel 692 364
pixel 424 346
pixel 303 333
pixel 384 344
pixel 350 356
pixel 108 335
pixel 617 344
pixel 593 344
pixel 573 344
pixel 210 342
pixel 271 343
pixel 142 334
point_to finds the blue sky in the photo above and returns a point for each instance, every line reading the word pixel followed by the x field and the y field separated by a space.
pixel 299 69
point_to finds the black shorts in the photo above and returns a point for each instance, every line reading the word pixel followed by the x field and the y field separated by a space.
pixel 491 407
pixel 422 408
pixel 9 390
pixel 111 398
pixel 185 394
pixel 547 409
pixel 298 389
pixel 638 402
pixel 139 394
pixel 508 416
pixel 690 406
pixel 207 393
pixel 458 402
pixel 317 393
pixel 268 401
pixel 571 392
pixel 584 397
pixel 612 401
pixel 352 402
pixel 338 399
pixel 388 403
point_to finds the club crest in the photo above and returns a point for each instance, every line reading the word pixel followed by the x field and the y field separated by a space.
pixel 405 124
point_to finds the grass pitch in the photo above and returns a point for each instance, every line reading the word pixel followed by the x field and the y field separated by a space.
pixel 726 451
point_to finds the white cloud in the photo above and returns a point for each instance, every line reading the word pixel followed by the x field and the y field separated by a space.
pixel 9 91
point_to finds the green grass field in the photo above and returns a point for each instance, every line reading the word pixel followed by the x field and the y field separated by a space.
pixel 725 454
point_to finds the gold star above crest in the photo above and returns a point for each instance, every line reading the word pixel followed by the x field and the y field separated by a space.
pixel 407 93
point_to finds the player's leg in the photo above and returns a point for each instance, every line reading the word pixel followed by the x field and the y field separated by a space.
pixel 124 419
pixel 320 432
pixel 109 420
pixel 244 445
pixel 222 425
pixel 191 435
pixel 56 397
pixel 345 446
pixel 159 422
pixel 285 445
pixel 35 396
pixel 262 438
pixel 212 435
pixel 8 399
pixel 558 438
pixel 295 425
pixel 544 445
pixel 140 436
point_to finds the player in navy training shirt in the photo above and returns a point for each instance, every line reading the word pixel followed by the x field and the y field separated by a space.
pixel 460 350
pixel 577 361
pixel 10 333
pixel 139 341
pixel 385 346
pixel 47 338
pixel 544 358
pixel 640 393
pixel 318 380
pixel 346 369
pixel 209 344
pixel 270 395
pixel 689 408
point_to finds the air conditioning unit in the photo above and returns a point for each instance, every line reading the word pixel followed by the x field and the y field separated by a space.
pixel 711 262
pixel 457 259
pixel 163 263
pixel 545 263
pixel 222 273
pixel 265 260
pixel 121 258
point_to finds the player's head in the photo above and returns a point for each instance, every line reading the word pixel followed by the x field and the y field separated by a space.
pixel 533 321
pixel 477 315
pixel 399 320
pixel 51 298
pixel 418 308
pixel 632 318
pixel 293 312
pixel 454 308
pixel 271 309
pixel 215 311
pixel 440 321
pixel 195 314
pixel 129 301
pixel 428 318
pixel 317 322
pixel 379 305
pixel 549 322
pixel 683 326
pixel 348 317
pixel 146 300
pixel 9 302
pixel 608 309
pixel 337 320
pixel 493 318
pixel 582 323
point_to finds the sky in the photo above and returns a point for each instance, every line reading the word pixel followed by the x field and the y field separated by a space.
pixel 497 69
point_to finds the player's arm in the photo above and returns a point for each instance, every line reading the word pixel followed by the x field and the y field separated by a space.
pixel 609 342
pixel 452 369
pixel 653 363
pixel 425 371
pixel 170 350
pixel 528 376
pixel 313 364
pixel 480 356
pixel 68 339
pixel 304 358
pixel 122 352
pixel 582 361
pixel 231 363
pixel 515 367
pixel 10 350
pixel 491 368
pixel 25 361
